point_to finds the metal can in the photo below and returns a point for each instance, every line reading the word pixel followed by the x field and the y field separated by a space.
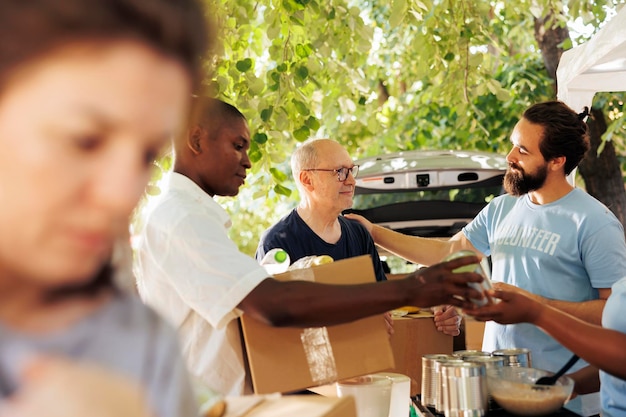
pixel 465 354
pixel 479 268
pixel 439 393
pixel 490 362
pixel 430 377
pixel 464 389
pixel 520 357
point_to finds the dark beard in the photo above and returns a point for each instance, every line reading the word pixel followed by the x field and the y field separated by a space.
pixel 519 182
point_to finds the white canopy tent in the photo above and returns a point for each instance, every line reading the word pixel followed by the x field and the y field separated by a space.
pixel 597 65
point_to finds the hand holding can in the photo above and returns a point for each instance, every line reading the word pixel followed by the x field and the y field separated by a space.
pixel 482 269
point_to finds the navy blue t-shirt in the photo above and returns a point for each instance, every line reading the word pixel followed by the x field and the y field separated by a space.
pixel 293 235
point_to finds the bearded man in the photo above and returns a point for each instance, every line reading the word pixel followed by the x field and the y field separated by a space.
pixel 546 238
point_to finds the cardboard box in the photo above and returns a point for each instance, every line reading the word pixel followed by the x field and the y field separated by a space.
pixel 290 406
pixel 474 334
pixel 415 335
pixel 291 359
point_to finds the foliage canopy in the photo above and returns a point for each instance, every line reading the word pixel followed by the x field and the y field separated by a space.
pixel 378 76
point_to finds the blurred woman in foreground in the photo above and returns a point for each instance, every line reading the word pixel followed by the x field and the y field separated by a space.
pixel 90 92
pixel 603 347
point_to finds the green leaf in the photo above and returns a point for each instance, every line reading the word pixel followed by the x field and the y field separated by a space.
pixel 294 5
pixel 302 72
pixel 287 6
pixel 312 123
pixel 398 11
pixel 302 133
pixel 475 59
pixel 267 113
pixel 301 107
pixel 566 44
pixel 254 153
pixel 282 190
pixel 449 56
pixel 260 138
pixel 223 83
pixel 503 95
pixel 255 86
pixel 273 31
pixel 281 119
pixel 303 51
pixel 231 22
pixel 295 20
pixel 278 174
pixel 244 65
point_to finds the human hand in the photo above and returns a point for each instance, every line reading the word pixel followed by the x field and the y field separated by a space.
pixel 57 387
pixel 439 285
pixel 366 223
pixel 447 320
pixel 512 288
pixel 515 306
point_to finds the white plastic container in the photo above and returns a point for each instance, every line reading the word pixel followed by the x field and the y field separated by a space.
pixel 372 394
pixel 400 394
pixel 276 261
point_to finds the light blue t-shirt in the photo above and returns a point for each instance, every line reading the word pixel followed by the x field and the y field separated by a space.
pixel 613 389
pixel 563 250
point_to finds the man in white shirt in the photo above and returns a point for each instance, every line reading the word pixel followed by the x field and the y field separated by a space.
pixel 193 274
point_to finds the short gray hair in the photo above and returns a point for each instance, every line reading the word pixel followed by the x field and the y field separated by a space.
pixel 304 157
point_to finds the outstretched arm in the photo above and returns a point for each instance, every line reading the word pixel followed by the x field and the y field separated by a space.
pixel 306 304
pixel 419 250
pixel 575 334
pixel 589 311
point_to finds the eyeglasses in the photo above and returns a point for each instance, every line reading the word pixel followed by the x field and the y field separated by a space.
pixel 342 173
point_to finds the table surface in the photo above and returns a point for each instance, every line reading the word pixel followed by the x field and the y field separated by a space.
pixel 494 411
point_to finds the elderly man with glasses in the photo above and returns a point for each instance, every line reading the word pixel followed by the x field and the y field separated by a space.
pixel 325 176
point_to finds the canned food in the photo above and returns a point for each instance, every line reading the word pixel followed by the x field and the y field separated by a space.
pixel 430 377
pixel 439 394
pixel 465 354
pixel 479 268
pixel 520 357
pixel 490 362
pixel 464 389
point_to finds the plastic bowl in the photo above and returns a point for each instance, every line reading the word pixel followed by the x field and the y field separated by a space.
pixel 514 389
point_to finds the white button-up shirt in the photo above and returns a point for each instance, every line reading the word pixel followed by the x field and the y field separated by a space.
pixel 189 270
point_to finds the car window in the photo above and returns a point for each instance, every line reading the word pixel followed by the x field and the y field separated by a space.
pixel 467 195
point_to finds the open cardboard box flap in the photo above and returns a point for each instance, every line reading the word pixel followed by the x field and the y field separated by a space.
pixel 291 359
pixel 289 406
